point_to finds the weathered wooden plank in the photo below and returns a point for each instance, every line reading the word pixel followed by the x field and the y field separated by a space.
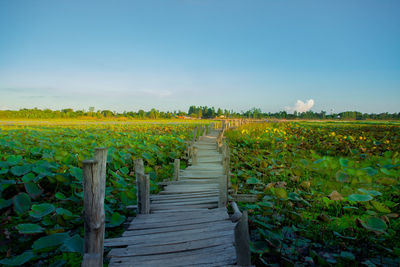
pixel 180 210
pixel 141 250
pixel 189 191
pixel 180 220
pixel 174 228
pixel 202 256
pixel 169 238
pixel 182 196
pixel 184 214
pixel 186 201
pixel 158 207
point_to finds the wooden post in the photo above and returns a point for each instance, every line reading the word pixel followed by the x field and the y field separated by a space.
pixel 100 155
pixel 139 169
pixel 222 192
pixel 194 134
pixel 144 189
pixel 177 163
pixel 93 212
pixel 204 131
pixel 92 260
pixel 242 241
pixel 194 156
pixel 223 186
pixel 236 212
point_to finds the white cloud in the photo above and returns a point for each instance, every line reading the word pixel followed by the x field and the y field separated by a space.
pixel 301 106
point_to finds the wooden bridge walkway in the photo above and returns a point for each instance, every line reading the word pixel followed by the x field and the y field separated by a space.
pixel 188 223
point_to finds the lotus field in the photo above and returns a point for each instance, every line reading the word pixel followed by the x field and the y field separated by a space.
pixel 41 183
pixel 328 193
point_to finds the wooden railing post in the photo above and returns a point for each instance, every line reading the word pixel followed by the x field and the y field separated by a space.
pixel 223 188
pixel 242 241
pixel 144 189
pixel 177 163
pixel 93 212
pixel 194 134
pixel 194 155
pixel 139 170
pixel 204 131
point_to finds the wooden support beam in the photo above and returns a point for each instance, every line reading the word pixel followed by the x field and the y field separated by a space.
pixel 177 163
pixel 242 241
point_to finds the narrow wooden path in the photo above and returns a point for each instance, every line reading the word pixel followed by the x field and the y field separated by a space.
pixel 187 224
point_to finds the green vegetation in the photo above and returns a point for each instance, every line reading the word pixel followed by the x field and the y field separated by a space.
pixel 328 193
pixel 41 183
pixel 201 112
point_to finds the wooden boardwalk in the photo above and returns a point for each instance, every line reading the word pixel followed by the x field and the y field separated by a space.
pixel 187 225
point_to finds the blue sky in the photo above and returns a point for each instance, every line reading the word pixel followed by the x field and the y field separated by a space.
pixel 170 54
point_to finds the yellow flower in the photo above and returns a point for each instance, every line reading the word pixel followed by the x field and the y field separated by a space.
pixel 333 133
pixel 361 138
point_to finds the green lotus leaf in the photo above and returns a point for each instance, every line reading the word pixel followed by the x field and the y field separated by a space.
pixel 29 228
pixel 73 244
pixel 281 193
pixel 28 177
pixel 116 219
pixel 41 210
pixel 18 260
pixel 5 203
pixel 380 207
pixel 20 170
pixel 374 224
pixel 253 180
pixel 14 160
pixel 65 213
pixel 22 203
pixel 359 198
pixel 33 190
pixel 60 196
pixel 342 177
pixel 49 242
pixel 76 172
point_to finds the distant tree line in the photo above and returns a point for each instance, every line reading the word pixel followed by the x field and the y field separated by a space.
pixel 203 112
